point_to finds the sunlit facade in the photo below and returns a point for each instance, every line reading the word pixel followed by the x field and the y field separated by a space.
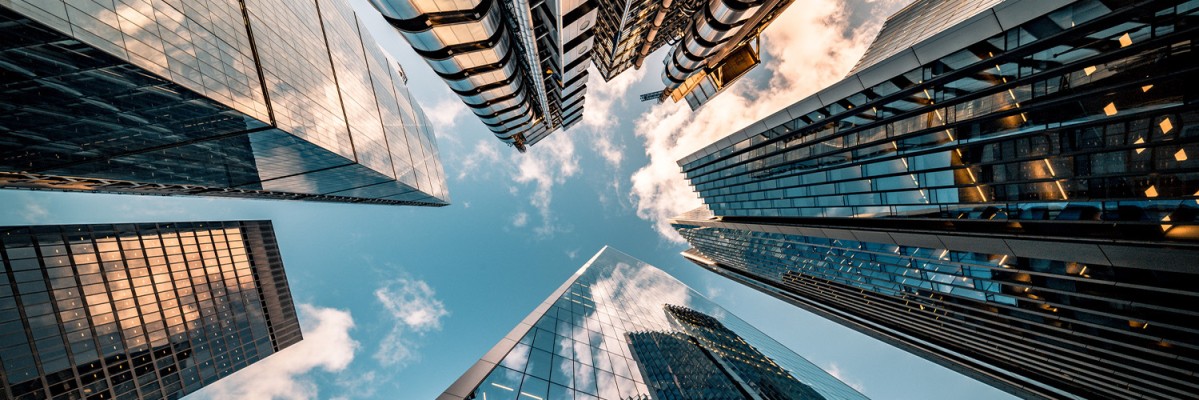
pixel 138 311
pixel 266 99
pixel 623 329
pixel 1007 188
pixel 711 43
pixel 520 66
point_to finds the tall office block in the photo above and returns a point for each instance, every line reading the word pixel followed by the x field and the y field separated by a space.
pixel 138 311
pixel 711 43
pixel 244 98
pixel 520 66
pixel 623 329
pixel 1007 188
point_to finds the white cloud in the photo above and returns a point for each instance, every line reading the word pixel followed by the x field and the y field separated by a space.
pixel 520 219
pixel 444 114
pixel 609 150
pixel 598 116
pixel 358 386
pixel 545 165
pixel 712 292
pixel 835 370
pixel 811 48
pixel 477 162
pixel 327 346
pixel 414 309
pixel 603 96
pixel 34 212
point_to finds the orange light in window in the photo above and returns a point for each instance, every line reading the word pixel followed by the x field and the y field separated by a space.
pixel 1125 40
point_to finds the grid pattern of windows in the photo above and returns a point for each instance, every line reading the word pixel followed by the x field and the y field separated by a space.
pixel 622 28
pixel 1022 209
pixel 154 92
pixel 141 311
pixel 1026 316
pixel 1087 103
pixel 611 333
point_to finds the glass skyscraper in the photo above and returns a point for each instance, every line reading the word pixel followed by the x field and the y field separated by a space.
pixel 623 329
pixel 1005 188
pixel 276 99
pixel 138 311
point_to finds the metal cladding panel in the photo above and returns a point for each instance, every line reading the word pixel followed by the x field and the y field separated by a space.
pixel 1012 13
pixel 582 50
pixel 918 22
pixel 580 26
pixel 973 30
pixel 893 66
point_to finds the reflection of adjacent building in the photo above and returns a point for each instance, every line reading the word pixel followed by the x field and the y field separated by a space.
pixel 705 359
pixel 622 329
pixel 258 98
pixel 521 66
pixel 1008 190
pixel 138 310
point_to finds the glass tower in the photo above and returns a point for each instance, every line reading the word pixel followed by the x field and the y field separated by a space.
pixel 138 311
pixel 246 98
pixel 1006 188
pixel 623 329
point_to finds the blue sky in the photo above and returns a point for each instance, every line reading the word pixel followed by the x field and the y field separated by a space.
pixel 397 302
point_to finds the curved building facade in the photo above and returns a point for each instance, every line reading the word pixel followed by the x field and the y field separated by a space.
pixel 520 66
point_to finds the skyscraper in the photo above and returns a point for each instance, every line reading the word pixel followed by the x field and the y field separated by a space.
pixel 520 66
pixel 711 42
pixel 623 329
pixel 1007 188
pixel 144 311
pixel 249 98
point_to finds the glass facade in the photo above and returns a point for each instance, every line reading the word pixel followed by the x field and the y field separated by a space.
pixel 138 311
pixel 623 329
pixel 1014 196
pixel 209 98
